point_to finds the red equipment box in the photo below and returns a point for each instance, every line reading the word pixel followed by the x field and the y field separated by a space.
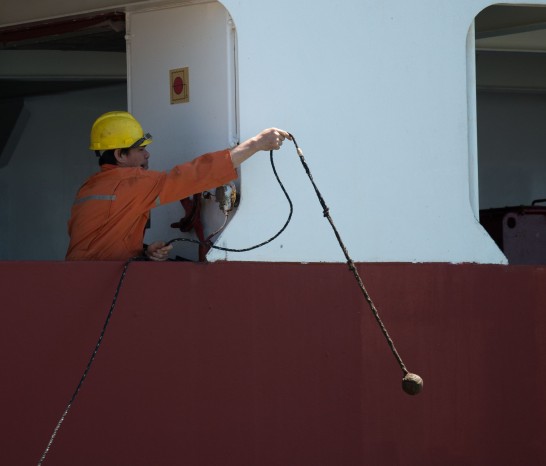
pixel 520 232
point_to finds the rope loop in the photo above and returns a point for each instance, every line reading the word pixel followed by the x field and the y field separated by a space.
pixel 350 263
pixel 263 243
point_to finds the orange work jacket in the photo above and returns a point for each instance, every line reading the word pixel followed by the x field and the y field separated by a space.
pixel 112 207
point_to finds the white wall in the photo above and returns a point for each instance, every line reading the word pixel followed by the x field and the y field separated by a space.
pixel 49 162
pixel 377 94
pixel 199 37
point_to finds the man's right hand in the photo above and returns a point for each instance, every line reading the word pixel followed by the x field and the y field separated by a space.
pixel 268 139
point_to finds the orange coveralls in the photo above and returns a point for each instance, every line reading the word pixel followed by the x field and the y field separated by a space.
pixel 112 207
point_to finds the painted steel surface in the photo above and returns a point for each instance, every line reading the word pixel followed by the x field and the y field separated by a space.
pixel 282 364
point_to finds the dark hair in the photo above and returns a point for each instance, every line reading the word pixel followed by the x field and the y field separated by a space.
pixel 108 157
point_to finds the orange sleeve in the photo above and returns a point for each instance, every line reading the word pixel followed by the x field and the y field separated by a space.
pixel 205 172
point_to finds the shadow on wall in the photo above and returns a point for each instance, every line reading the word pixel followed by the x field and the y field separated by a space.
pixel 13 118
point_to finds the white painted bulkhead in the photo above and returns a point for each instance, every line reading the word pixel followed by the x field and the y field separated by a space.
pixel 378 94
pixel 377 98
pixel 202 38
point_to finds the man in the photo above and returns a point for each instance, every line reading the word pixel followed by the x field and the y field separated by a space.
pixel 112 207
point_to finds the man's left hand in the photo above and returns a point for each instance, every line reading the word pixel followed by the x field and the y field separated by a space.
pixel 158 251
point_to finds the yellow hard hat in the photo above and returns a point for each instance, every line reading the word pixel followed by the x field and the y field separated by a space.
pixel 117 130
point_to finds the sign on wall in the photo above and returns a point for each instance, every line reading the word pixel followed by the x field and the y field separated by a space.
pixel 180 85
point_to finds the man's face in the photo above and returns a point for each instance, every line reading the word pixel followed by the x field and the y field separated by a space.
pixel 137 157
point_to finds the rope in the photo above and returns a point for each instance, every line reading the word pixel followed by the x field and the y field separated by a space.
pixel 326 213
pixel 350 263
pixel 91 360
pixel 208 242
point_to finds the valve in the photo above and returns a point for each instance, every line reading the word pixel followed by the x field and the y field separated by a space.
pixel 227 197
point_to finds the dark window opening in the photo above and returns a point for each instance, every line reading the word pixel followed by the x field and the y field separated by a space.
pixel 511 119
pixel 56 76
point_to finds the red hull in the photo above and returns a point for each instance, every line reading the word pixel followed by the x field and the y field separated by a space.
pixel 255 364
